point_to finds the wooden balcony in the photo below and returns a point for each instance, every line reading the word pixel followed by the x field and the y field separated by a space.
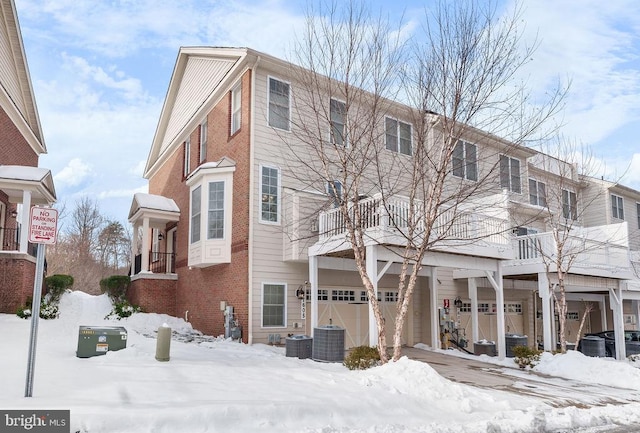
pixel 461 231
pixel 597 251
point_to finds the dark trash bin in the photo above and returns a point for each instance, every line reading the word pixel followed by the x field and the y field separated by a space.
pixel 513 340
pixel 592 345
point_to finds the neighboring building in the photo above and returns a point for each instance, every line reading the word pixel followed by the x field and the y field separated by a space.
pixel 226 224
pixel 22 183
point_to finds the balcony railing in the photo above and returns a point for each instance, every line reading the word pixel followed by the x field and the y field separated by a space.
pixel 603 246
pixel 10 239
pixel 399 216
pixel 159 263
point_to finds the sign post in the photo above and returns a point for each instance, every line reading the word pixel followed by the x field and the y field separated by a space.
pixel 43 228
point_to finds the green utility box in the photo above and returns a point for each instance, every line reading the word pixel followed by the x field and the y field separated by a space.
pixel 98 340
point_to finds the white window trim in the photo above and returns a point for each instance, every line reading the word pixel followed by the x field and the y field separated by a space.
pixel 187 156
pixel 234 90
pixel 465 175
pixel 618 209
pixel 538 182
pixel 284 318
pixel 279 198
pixel 269 78
pixel 191 190
pixel 569 191
pixel 638 213
pixel 203 144
pixel 345 139
pixel 510 187
pixel 224 209
pixel 398 122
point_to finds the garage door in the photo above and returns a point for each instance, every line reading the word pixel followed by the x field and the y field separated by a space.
pixel 488 319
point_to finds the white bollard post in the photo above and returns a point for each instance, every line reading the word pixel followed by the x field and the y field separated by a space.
pixel 163 346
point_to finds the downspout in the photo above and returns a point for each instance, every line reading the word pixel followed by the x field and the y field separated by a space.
pixel 252 121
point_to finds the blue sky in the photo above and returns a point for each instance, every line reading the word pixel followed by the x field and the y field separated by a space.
pixel 100 71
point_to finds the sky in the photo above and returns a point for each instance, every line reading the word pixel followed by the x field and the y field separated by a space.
pixel 101 69
pixel 217 385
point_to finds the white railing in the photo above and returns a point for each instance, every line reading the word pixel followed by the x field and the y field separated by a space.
pixel 396 216
pixel 585 247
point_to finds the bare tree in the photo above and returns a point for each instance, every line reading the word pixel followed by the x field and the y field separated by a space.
pixel 458 76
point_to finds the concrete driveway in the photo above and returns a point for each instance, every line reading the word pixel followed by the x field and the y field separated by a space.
pixel 555 391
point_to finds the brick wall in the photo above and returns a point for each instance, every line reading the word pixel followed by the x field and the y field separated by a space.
pixel 17 276
pixel 200 290
pixel 14 149
pixel 153 295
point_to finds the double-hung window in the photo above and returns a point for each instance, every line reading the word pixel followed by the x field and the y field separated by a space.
pixel 338 115
pixel 465 160
pixel 334 189
pixel 195 214
pixel 187 157
pixel 537 193
pixel 273 305
pixel 397 136
pixel 279 104
pixel 203 140
pixel 638 213
pixel 236 112
pixel 269 194
pixel 215 222
pixel 617 207
pixel 510 174
pixel 569 204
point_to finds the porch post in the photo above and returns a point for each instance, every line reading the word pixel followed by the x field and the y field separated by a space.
pixel 615 300
pixel 547 316
pixel 134 248
pixel 635 305
pixel 24 221
pixel 313 281
pixel 144 262
pixel 473 295
pixel 495 278
pixel 372 270
pixel 435 314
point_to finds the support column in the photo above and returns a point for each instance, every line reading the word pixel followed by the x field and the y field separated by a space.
pixel 313 281
pixel 615 300
pixel 372 271
pixel 547 316
pixel 473 295
pixel 495 278
pixel 635 305
pixel 134 248
pixel 24 221
pixel 144 260
pixel 435 315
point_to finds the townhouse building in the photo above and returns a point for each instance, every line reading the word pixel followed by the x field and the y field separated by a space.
pixel 237 241
pixel 22 183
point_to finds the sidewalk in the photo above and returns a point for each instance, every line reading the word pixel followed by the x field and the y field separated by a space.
pixel 555 391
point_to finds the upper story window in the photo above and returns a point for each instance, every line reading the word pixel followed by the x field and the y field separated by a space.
pixel 203 140
pixel 638 213
pixel 510 174
pixel 215 222
pixel 537 193
pixel 187 156
pixel 236 112
pixel 279 104
pixel 617 207
pixel 465 160
pixel 196 207
pixel 397 136
pixel 338 115
pixel 569 204
pixel 269 194
pixel 334 189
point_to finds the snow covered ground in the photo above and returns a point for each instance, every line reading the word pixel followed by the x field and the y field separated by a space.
pixel 213 385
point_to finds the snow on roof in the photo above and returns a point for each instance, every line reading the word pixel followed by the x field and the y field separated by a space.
pixel 23 172
pixel 152 202
pixel 15 178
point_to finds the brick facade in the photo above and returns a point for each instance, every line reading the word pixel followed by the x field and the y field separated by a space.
pixel 201 290
pixel 17 276
pixel 14 149
pixel 154 295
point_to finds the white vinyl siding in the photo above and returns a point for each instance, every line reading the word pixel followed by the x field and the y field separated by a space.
pixel 398 136
pixel 195 214
pixel 279 104
pixel 269 194
pixel 236 109
pixel 617 207
pixel 465 160
pixel 510 174
pixel 338 115
pixel 274 305
pixel 215 222
pixel 569 204
pixel 537 193
pixel 203 141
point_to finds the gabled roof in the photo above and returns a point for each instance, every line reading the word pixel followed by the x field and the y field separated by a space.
pixel 14 179
pixel 156 204
pixel 195 84
pixel 16 91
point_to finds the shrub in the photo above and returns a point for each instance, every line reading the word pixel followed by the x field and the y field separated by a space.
pixel 115 286
pixel 24 312
pixel 122 309
pixel 57 284
pixel 362 357
pixel 47 310
pixel 526 356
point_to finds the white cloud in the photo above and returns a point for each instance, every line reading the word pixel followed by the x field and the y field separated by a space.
pixel 123 193
pixel 73 174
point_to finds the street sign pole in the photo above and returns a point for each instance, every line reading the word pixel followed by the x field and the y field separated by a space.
pixel 43 227
pixel 35 317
